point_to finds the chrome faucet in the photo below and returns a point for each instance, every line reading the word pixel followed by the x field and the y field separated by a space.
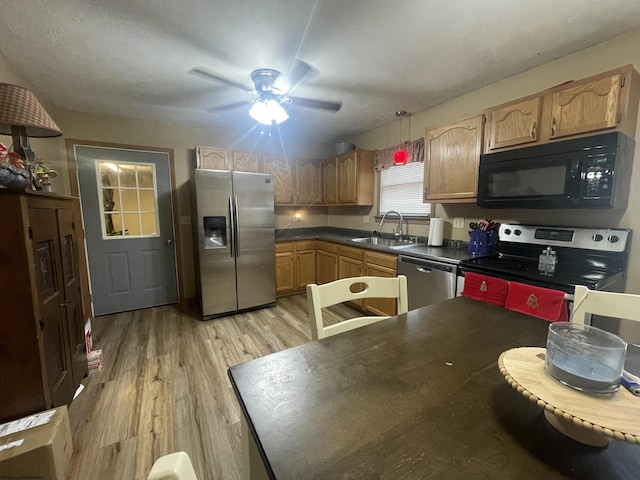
pixel 399 232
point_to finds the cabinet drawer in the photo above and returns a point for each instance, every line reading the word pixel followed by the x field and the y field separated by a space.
pixel 381 259
pixel 284 247
pixel 351 252
pixel 306 245
pixel 327 246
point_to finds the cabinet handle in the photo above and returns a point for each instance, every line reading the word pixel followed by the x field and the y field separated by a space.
pixel 533 131
pixel 553 127
pixel 64 304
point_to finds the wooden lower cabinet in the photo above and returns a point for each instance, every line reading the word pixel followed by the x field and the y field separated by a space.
pixel 350 265
pixel 284 268
pixel 295 266
pixel 380 265
pixel 326 262
pixel 42 347
pixel 303 262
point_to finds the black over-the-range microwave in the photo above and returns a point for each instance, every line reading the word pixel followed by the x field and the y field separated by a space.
pixel 588 172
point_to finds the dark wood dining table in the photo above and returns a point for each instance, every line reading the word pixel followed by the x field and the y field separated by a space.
pixel 414 396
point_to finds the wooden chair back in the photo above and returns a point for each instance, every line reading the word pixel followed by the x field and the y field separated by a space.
pixel 339 291
pixel 609 304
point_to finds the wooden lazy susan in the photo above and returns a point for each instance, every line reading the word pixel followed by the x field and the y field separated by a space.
pixel 587 418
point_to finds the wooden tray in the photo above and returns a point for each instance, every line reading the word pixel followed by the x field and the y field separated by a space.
pixel 587 418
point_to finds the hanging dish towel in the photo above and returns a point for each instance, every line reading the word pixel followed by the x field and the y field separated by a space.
pixel 486 289
pixel 539 302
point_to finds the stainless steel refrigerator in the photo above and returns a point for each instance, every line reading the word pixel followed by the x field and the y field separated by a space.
pixel 235 240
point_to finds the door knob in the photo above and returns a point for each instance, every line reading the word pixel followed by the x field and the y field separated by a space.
pixel 170 242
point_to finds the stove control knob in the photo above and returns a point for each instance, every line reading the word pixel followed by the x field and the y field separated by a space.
pixel 596 237
pixel 613 238
pixel 507 231
pixel 517 232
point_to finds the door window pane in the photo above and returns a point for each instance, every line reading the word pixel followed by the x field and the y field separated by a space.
pixel 129 199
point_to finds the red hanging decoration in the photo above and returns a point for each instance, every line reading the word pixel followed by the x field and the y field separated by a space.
pixel 400 157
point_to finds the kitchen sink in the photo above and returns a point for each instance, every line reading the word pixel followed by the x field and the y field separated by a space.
pixel 386 242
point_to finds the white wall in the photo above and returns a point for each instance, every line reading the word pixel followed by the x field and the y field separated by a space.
pixel 620 51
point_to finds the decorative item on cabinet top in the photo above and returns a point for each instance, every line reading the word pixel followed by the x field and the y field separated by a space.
pixel 22 116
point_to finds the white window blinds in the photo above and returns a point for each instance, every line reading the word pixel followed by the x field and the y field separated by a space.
pixel 401 189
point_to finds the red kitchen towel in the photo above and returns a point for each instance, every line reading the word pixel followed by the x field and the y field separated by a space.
pixel 536 301
pixel 486 289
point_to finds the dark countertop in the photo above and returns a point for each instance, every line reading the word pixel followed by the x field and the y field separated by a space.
pixel 343 236
pixel 413 397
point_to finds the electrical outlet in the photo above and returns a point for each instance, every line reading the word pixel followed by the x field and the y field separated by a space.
pixel 185 220
pixel 458 222
pixel 365 219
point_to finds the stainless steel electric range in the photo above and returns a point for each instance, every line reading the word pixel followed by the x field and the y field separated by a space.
pixel 593 257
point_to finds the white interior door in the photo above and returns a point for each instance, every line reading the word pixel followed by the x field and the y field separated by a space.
pixel 128 221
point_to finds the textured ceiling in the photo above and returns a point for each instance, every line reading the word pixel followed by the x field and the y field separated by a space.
pixel 132 57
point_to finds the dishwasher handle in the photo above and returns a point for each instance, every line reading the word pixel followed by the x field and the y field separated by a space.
pixel 425 266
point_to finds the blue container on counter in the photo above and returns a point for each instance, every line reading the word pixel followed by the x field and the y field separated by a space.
pixel 481 242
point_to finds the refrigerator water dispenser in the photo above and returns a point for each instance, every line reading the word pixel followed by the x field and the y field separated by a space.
pixel 215 232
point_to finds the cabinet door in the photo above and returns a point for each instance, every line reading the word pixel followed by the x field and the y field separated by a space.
pixel 305 268
pixel 515 124
pixel 329 182
pixel 350 267
pixel 282 179
pixel 586 107
pixel 212 158
pixel 72 294
pixel 380 306
pixel 348 178
pixel 284 269
pixel 309 182
pixel 51 319
pixel 326 267
pixel 247 162
pixel 452 154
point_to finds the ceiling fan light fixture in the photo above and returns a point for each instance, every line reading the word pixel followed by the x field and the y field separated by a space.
pixel 267 111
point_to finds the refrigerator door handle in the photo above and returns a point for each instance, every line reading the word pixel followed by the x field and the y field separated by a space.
pixel 232 228
pixel 235 230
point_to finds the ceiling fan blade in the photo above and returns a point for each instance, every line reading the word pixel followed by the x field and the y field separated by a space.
pixel 310 103
pixel 225 108
pixel 298 73
pixel 212 76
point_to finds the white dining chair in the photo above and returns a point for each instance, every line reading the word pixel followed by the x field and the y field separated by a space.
pixel 174 466
pixel 609 304
pixel 339 291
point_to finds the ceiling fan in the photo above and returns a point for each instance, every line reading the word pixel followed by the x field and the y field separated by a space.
pixel 269 106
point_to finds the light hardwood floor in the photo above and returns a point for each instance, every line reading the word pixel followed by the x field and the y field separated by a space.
pixel 164 387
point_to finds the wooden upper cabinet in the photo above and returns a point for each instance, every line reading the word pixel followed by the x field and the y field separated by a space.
pixel 348 178
pixel 247 162
pixel 283 179
pixel 516 123
pixel 452 154
pixel 212 158
pixel 607 101
pixel 309 182
pixel 355 177
pixel 586 106
pixel 330 181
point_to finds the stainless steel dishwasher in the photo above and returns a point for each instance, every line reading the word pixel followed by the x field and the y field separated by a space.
pixel 428 281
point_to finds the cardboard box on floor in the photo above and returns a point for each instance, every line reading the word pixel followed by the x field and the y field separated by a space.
pixel 42 452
